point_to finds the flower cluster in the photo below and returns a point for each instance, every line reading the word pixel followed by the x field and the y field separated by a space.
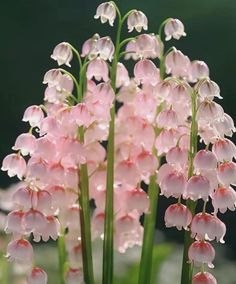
pixel 162 113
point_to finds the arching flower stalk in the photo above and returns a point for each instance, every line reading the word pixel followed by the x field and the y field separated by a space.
pixel 165 108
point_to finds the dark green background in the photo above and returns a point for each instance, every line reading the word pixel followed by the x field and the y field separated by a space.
pixel 29 29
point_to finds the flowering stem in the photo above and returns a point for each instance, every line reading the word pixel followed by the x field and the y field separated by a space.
pixel 187 269
pixel 61 257
pixel 149 228
pixel 107 273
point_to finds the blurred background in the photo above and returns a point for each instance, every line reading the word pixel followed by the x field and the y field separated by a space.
pixel 30 29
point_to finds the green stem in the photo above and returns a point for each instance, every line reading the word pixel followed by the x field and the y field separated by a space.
pixel 61 257
pixel 187 269
pixel 108 267
pixel 149 229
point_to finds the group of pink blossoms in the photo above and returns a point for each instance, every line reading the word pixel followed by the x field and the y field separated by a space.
pixel 153 121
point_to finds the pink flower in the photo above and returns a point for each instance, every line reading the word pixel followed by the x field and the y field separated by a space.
pixel 107 12
pixel 34 115
pixel 14 164
pixel 224 149
pixel 127 172
pixel 204 278
pixel 225 126
pixel 25 142
pixel 63 54
pixel 167 118
pixel 177 63
pixel 208 89
pixel 204 160
pixel 178 215
pixel 224 198
pixel 89 45
pixel 122 76
pixel 131 49
pixel 22 198
pixel 104 48
pixel 35 222
pixel 98 69
pixel 20 251
pixel 14 223
pixel 81 114
pixel 52 77
pixel 147 46
pixel 166 140
pixel 137 20
pixel 37 276
pixel 174 28
pixel 198 187
pixel 145 72
pixel 177 157
pixel 137 199
pixel 209 227
pixel 201 252
pixel 126 222
pixel 74 276
pixel 198 70
pixel 226 173
pixel 209 111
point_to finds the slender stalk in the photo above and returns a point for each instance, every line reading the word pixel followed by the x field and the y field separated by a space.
pixel 107 273
pixel 149 228
pixel 61 257
pixel 187 269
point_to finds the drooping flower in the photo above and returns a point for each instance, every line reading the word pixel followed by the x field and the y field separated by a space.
pixel 37 276
pixel 14 164
pixel 106 12
pixel 137 20
pixel 63 54
pixel 204 278
pixel 174 28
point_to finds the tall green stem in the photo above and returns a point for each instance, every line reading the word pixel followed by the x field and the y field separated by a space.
pixel 107 275
pixel 61 257
pixel 187 269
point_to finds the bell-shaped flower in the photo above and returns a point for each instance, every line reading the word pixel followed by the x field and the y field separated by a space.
pixel 137 199
pixel 224 149
pixel 178 215
pixel 26 143
pixel 167 139
pixel 146 72
pixel 173 184
pixel 52 77
pixel 89 45
pixel 147 163
pixel 177 157
pixel 204 160
pixel 147 46
pixel 58 196
pixel 81 115
pixel 167 119
pixel 20 251
pixel 104 48
pixel 198 187
pixel 74 276
pixel 174 28
pixel 226 173
pixel 201 252
pixel 63 54
pixel 34 115
pixel 37 276
pixel 224 198
pixel 204 278
pixel 106 12
pixel 205 226
pixel 137 20
pixel 22 198
pixel 14 224
pixel 131 49
pixel 52 229
pixel 198 70
pixel 177 63
pixel 208 89
pixel 34 221
pixel 209 111
pixel 126 222
pixel 98 69
pixel 15 165
pixel 44 202
pixel 225 126
pixel 122 76
pixel 127 172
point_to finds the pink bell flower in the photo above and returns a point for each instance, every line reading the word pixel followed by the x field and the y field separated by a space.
pixel 25 142
pixel 225 126
pixel 147 46
pixel 226 173
pixel 198 187
pixel 204 278
pixel 37 276
pixel 224 198
pixel 127 172
pixel 131 49
pixel 201 252
pixel 167 139
pixel 209 111
pixel 98 69
pixel 104 48
pixel 20 251
pixel 52 77
pixel 106 12
pixel 15 165
pixel 174 28
pixel 34 115
pixel 177 157
pixel 137 20
pixel 224 149
pixel 122 76
pixel 207 227
pixel 177 63
pixel 167 119
pixel 208 89
pixel 74 276
pixel 145 72
pixel 63 54
pixel 178 215
pixel 137 199
pixel 22 198
pixel 89 45
pixel 14 224
pixel 34 221
pixel 198 70
pixel 204 160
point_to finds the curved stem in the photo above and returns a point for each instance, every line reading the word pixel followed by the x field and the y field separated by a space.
pixel 77 54
pixel 187 269
pixel 78 87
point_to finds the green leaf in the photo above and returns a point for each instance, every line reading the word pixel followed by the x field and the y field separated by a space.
pixel 160 253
